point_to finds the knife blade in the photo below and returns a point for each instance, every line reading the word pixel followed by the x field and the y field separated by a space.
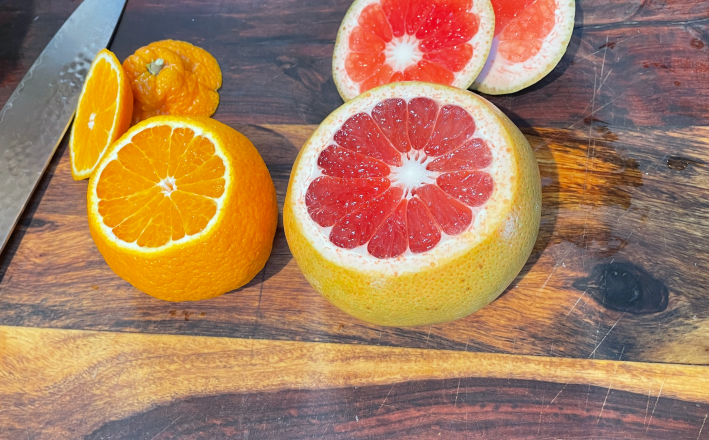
pixel 37 115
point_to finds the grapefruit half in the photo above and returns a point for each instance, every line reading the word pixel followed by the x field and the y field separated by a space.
pixel 385 41
pixel 414 203
pixel 530 38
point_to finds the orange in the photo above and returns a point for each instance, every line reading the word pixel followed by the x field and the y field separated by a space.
pixel 414 203
pixel 173 78
pixel 530 38
pixel 183 208
pixel 103 113
pixel 385 41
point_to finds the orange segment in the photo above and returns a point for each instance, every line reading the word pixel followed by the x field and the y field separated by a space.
pixel 115 211
pixel 117 182
pixel 201 210
pixel 197 153
pixel 102 115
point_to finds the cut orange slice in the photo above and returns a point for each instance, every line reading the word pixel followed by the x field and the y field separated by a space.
pixel 103 113
pixel 386 41
pixel 412 204
pixel 183 208
pixel 530 38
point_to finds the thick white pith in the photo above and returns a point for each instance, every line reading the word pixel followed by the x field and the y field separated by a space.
pixel 167 186
pixel 486 217
pixel 402 52
pixel 502 76
pixel 480 42
pixel 412 173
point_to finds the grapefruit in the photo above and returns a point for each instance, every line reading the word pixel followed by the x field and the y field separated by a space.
pixel 385 41
pixel 183 208
pixel 530 38
pixel 414 203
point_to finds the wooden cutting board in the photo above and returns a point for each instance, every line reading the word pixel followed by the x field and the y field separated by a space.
pixel 619 272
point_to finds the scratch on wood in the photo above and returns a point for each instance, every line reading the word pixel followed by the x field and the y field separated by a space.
pixel 540 416
pixel 610 385
pixel 576 303
pixel 455 404
pixel 561 260
pixel 557 394
pixel 428 336
pixel 165 428
pixel 604 337
pixel 702 427
pixel 655 407
pixel 385 399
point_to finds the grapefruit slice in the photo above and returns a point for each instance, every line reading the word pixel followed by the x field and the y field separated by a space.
pixel 530 38
pixel 414 203
pixel 386 41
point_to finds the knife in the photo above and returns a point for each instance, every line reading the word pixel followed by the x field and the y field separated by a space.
pixel 35 118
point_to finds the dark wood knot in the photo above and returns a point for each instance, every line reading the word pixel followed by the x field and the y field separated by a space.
pixel 625 287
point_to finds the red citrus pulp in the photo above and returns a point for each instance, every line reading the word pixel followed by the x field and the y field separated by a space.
pixel 441 41
pixel 530 38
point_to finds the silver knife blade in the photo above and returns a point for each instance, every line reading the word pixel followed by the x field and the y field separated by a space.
pixel 35 118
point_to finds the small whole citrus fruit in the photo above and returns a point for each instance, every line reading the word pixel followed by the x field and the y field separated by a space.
pixel 412 204
pixel 171 77
pixel 183 208
pixel 385 41
pixel 103 113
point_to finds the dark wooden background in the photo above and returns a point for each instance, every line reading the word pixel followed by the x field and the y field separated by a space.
pixel 619 130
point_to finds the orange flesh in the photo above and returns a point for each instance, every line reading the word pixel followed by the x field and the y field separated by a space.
pixel 93 124
pixel 521 26
pixel 434 37
pixel 161 187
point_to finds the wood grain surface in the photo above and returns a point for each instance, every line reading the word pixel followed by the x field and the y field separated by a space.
pixel 180 386
pixel 579 346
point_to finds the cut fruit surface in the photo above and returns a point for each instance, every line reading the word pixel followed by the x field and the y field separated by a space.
pixel 170 199
pixel 413 203
pixel 531 37
pixel 386 41
pixel 103 113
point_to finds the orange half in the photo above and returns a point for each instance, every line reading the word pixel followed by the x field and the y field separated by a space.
pixel 183 208
pixel 103 113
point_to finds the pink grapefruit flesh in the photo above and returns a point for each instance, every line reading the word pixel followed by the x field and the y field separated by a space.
pixel 531 37
pixel 385 41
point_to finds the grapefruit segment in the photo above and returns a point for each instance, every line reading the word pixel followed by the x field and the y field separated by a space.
pixel 391 117
pixel 365 41
pixel 357 227
pixel 385 41
pixel 470 187
pixel 361 134
pixel 390 239
pixel 424 234
pixel 422 119
pixel 328 199
pixel 452 58
pixel 340 162
pixel 473 155
pixel 453 126
pixel 373 20
pixel 442 233
pixel 452 216
pixel 531 37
